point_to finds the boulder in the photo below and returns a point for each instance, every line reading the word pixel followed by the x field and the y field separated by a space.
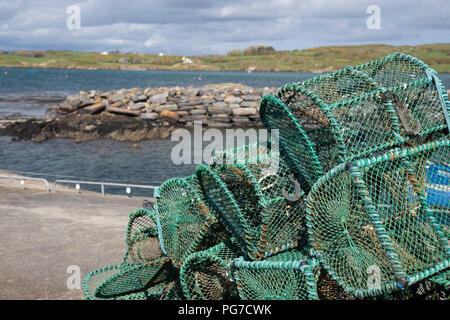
pixel 169 116
pixel 136 106
pixel 251 97
pixel 95 108
pixel 117 104
pixel 217 110
pixel 220 118
pixel 208 101
pixel 159 98
pixel 166 107
pixel 140 98
pixel 133 113
pixel 198 111
pixel 149 115
pixel 248 104
pixel 232 99
pixel 244 111
pixel 220 104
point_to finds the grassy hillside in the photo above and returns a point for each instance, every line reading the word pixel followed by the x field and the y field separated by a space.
pixel 322 59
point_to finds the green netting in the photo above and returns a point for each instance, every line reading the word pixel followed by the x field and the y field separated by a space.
pixel 372 222
pixel 347 114
pixel 142 238
pixel 95 278
pixel 258 200
pixel 205 275
pixel 286 276
pixel 185 222
pixel 135 279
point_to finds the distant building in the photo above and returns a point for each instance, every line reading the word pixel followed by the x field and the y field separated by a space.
pixel 161 54
pixel 104 53
pixel 186 60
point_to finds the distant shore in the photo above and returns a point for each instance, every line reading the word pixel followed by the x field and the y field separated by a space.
pixel 317 60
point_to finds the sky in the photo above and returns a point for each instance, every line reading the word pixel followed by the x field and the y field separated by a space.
pixel 194 27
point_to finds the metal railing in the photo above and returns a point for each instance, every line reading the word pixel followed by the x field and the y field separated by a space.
pixel 22 180
pixel 103 184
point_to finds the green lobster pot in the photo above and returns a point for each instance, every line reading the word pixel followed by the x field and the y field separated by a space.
pixel 143 271
pixel 381 224
pixel 95 278
pixel 356 112
pixel 185 222
pixel 258 201
pixel 142 238
pixel 286 276
pixel 205 275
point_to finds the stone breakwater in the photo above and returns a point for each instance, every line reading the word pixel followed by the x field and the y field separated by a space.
pixel 140 114
pixel 223 106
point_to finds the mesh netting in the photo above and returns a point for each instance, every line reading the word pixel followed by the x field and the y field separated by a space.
pixel 285 276
pixel 372 222
pixel 347 114
pixel 95 278
pixel 258 199
pixel 142 238
pixel 185 221
pixel 205 275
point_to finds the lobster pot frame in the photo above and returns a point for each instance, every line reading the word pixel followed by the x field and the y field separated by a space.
pixel 373 223
pixel 144 281
pixel 286 276
pixel 142 238
pixel 259 201
pixel 185 222
pixel 205 275
pixel 96 277
pixel 347 115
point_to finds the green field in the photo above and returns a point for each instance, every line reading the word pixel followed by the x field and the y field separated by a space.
pixel 322 59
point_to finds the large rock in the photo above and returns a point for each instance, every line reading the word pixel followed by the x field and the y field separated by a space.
pixel 217 110
pixel 132 113
pixel 244 111
pixel 220 104
pixel 166 107
pixel 248 104
pixel 95 108
pixel 251 97
pixel 79 101
pixel 149 115
pixel 136 106
pixel 169 116
pixel 220 118
pixel 198 111
pixel 192 118
pixel 232 99
pixel 159 98
pixel 191 92
pixel 140 98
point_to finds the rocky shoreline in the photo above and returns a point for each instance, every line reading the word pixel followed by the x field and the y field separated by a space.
pixel 141 114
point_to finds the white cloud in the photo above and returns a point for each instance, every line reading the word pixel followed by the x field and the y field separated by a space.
pixel 204 26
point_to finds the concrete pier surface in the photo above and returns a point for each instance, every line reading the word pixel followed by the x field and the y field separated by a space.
pixel 42 234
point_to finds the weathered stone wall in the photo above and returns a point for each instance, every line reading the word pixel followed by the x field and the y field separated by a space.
pixel 220 106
